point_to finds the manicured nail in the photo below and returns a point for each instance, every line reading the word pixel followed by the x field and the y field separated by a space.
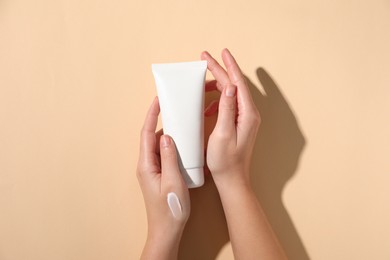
pixel 174 204
pixel 165 140
pixel 230 90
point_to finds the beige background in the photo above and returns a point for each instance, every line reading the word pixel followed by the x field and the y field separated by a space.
pixel 75 83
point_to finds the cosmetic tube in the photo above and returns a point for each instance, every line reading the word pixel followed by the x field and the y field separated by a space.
pixel 180 89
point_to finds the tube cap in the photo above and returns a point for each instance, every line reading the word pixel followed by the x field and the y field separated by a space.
pixel 194 177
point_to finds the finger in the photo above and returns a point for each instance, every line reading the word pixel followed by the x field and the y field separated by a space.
pixel 226 122
pixel 171 178
pixel 212 108
pixel 233 70
pixel 218 72
pixel 237 78
pixel 148 138
pixel 159 133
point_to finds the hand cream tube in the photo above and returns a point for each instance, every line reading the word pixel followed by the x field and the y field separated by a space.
pixel 180 88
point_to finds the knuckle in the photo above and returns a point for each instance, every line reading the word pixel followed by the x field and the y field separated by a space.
pixel 230 106
pixel 168 153
pixel 143 168
pixel 142 132
pixel 211 64
pixel 230 66
pixel 225 84
pixel 239 81
pixel 257 118
pixel 139 173
pixel 169 185
pixel 254 117
pixel 224 134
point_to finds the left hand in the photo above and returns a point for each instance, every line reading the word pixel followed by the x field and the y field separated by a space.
pixel 158 174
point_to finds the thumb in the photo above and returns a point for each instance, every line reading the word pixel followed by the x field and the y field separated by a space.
pixel 171 178
pixel 227 110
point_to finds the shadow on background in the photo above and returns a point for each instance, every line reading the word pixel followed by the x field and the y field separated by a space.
pixel 279 145
pixel 276 155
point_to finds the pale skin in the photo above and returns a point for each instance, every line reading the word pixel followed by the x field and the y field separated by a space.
pixel 229 153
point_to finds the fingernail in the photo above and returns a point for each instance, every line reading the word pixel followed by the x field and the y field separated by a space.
pixel 230 91
pixel 174 204
pixel 206 54
pixel 166 141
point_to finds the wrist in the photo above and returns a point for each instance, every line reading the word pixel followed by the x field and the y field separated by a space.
pixel 168 232
pixel 162 244
pixel 237 180
pixel 166 240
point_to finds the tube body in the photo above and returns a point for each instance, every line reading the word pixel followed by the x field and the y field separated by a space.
pixel 180 88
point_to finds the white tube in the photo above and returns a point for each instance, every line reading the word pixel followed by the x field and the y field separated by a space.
pixel 180 88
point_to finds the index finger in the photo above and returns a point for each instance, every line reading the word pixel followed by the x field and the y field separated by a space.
pixel 237 78
pixel 218 72
pixel 148 136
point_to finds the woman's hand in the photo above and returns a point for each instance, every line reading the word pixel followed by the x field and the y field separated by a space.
pixel 166 196
pixel 229 155
pixel 231 142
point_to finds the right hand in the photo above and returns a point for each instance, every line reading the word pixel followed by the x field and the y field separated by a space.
pixel 231 143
